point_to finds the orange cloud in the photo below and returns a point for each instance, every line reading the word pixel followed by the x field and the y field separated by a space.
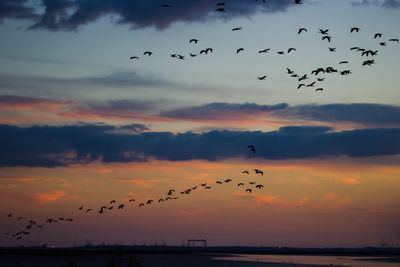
pixel 49 196
pixel 261 199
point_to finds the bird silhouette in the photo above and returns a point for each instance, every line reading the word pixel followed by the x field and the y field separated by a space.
pixel 368 62
pixel 262 77
pixel 141 204
pixel 228 180
pixel 378 35
pixel 264 51
pixel 209 49
pixel 170 192
pixel 237 29
pixel 383 43
pixel 311 84
pixel 149 201
pixel 300 85
pixel 345 72
pixel 252 148
pixel 239 50
pixel 332 49
pixel 131 200
pixel 319 89
pixel 220 9
pixel 148 53
pixel 259 186
pixel 9 215
pixel 160 200
pixel 327 37
pixel 257 171
pixel 298 2
pixel 248 190
pixel 207 187
pixel 302 78
pixel 301 30
pixel 343 62
pixel 81 208
pixel 291 49
pixel 192 55
pixel 134 57
pixel 240 184
pixel 323 31
pixel 280 52
pixel 193 41
pixel 394 40
pixel 88 210
pixel 121 206
pixel 112 201
pixel 354 29
pixel 245 172
pixel 218 182
pixel 320 79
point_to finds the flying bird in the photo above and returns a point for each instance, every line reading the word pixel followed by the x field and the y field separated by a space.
pixel 245 172
pixel 259 186
pixel 193 41
pixel 368 62
pixel 220 9
pixel 134 57
pixel 112 201
pixel 301 30
pixel 240 184
pixel 327 37
pixel 262 77
pixel 354 29
pixel 239 50
pixel 394 40
pixel 311 84
pixel 228 180
pixel 383 43
pixel 319 89
pixel 149 201
pixel 323 31
pixel 281 52
pixel 343 62
pixel 248 190
pixel 291 49
pixel 252 148
pixel 264 51
pixel 332 49
pixel 131 200
pixel 377 35
pixel 300 85
pixel 170 192
pixel 148 53
pixel 237 29
pixel 257 171
pixel 121 206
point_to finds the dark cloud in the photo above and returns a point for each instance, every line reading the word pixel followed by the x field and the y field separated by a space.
pixel 16 9
pixel 70 14
pixel 385 3
pixel 391 4
pixel 215 111
pixel 50 146
pixel 366 114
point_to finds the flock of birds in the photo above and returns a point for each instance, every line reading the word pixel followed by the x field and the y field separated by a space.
pixel 249 187
pixel 314 74
pixel 172 194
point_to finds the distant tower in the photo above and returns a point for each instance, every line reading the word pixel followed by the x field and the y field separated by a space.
pixel 193 242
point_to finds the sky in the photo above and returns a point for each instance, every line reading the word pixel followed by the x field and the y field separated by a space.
pixel 81 123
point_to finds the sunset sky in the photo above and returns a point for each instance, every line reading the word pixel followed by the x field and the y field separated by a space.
pixel 82 124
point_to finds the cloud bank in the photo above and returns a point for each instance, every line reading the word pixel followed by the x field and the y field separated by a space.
pixel 51 146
